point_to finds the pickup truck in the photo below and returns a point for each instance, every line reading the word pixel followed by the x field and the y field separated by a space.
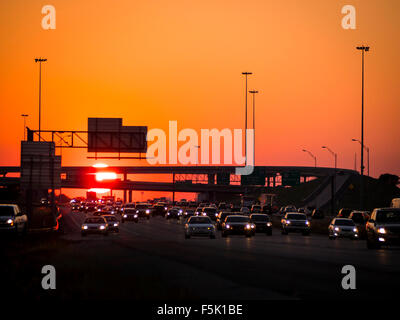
pixel 12 219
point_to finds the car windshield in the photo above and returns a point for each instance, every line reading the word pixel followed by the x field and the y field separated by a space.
pixel 210 210
pixel 199 220
pixel 296 217
pixel 129 210
pixel 256 208
pixel 94 220
pixel 388 216
pixel 342 222
pixel 237 219
pixel 142 206
pixel 259 217
pixel 111 219
pixel 189 211
pixel 6 211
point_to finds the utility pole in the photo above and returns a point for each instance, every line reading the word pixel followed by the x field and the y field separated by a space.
pixel 40 60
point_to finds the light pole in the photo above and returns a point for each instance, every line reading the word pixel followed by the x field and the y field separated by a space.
pixel 253 92
pixel 40 60
pixel 363 49
pixel 367 149
pixel 314 157
pixel 245 116
pixel 24 116
pixel 333 189
pixel 332 153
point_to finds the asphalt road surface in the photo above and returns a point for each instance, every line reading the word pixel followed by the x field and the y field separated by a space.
pixel 261 267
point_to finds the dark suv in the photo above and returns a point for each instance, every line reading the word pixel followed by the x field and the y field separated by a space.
pixel 383 228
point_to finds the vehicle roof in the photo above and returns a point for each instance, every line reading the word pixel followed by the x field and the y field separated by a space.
pixel 387 209
pixel 342 219
pixel 8 205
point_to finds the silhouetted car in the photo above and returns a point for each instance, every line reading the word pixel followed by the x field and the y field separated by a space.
pixel 188 213
pixel 383 228
pixel 172 213
pixel 12 219
pixel 221 218
pixel 342 227
pixel 129 214
pixel 294 222
pixel 210 212
pixel 359 217
pixel 113 223
pixel 262 222
pixel 344 213
pixel 143 210
pixel 199 226
pixel 159 210
pixel 95 225
pixel 255 208
pixel 238 224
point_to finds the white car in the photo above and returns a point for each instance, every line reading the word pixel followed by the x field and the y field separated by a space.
pixel 95 225
pixel 12 219
pixel 245 210
pixel 343 227
pixel 199 226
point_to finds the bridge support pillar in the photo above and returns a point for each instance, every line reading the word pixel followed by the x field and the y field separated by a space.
pixel 130 195
pixel 125 196
pixel 274 181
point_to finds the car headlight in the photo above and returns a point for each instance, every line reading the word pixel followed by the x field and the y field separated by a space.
pixel 167 213
pixel 125 216
pixel 216 214
pixel 287 222
pixel 355 229
pixel 84 227
pixel 180 211
pixel 115 224
pixel 147 211
pixel 382 230
pixel 165 208
pixel 102 227
pixel 135 216
pixel 10 221
pixel 337 229
pixel 227 226
pixel 137 211
pixel 308 223
pixel 269 224
pixel 248 226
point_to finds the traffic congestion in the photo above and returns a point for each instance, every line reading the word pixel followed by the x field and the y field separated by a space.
pixel 379 228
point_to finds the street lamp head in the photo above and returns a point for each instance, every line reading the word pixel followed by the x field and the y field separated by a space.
pixel 40 60
pixel 253 91
pixel 365 48
pixel 353 139
pixel 247 73
pixel 323 147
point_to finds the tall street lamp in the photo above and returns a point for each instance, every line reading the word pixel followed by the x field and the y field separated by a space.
pixel 253 92
pixel 24 116
pixel 314 157
pixel 245 116
pixel 333 189
pixel 363 49
pixel 40 60
pixel 367 149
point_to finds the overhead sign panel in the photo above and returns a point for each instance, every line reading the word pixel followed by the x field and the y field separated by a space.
pixel 109 135
pixel 40 167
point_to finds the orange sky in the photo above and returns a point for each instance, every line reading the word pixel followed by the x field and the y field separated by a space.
pixel 153 61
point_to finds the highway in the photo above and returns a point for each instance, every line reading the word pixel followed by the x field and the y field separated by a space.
pixel 152 260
